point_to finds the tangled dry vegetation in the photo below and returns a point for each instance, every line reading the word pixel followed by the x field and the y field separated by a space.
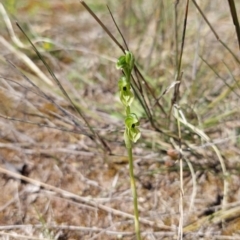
pixel 62 180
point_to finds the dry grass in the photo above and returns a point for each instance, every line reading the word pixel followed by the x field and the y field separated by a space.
pixel 68 185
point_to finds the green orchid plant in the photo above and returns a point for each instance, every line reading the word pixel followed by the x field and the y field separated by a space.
pixel 126 64
pixel 132 132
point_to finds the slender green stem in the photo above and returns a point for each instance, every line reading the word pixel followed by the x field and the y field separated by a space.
pixel 134 193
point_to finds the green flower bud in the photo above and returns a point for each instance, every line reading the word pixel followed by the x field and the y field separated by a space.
pixel 126 63
pixel 129 60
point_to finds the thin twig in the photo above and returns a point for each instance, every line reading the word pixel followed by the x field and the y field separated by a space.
pixel 175 97
pixel 176 32
pixel 180 226
pixel 19 236
pixel 124 40
pixel 84 229
pixel 235 19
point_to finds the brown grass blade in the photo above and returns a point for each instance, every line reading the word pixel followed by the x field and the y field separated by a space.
pixel 235 19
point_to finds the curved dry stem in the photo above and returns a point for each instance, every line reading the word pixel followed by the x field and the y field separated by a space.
pixel 216 150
